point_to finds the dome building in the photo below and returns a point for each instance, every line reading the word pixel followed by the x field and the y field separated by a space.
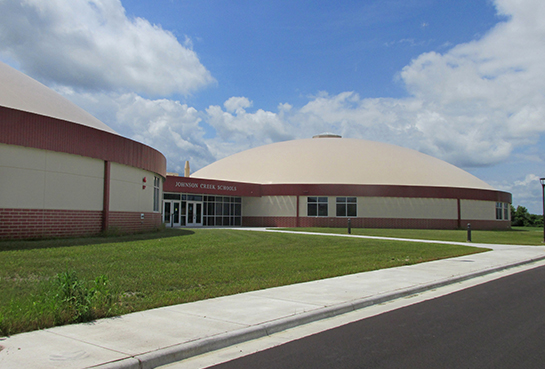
pixel 326 180
pixel 65 173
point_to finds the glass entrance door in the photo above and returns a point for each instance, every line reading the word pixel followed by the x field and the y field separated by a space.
pixel 171 213
pixel 194 213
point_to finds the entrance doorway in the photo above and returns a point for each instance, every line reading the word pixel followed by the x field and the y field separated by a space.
pixel 171 213
pixel 194 213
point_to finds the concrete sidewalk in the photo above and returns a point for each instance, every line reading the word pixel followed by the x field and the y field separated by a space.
pixel 160 336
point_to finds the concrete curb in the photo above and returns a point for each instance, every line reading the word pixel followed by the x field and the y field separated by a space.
pixel 184 351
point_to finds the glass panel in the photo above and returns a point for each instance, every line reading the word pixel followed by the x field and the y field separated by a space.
pixel 176 213
pixel 182 213
pixel 341 210
pixel 171 196
pixel 166 214
pixel 190 212
pixel 351 199
pixel 225 221
pixel 210 221
pixel 312 199
pixel 210 206
pixel 341 199
pixel 237 221
pixel 219 221
pixel 238 209
pixel 219 208
pixel 226 199
pixel 199 213
pixel 312 210
pixel 322 199
pixel 322 210
pixel 225 209
pixel 351 210
pixel 238 199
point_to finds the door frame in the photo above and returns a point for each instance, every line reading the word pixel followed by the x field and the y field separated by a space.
pixel 173 221
pixel 197 214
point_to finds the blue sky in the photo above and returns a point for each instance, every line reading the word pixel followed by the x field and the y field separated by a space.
pixel 463 80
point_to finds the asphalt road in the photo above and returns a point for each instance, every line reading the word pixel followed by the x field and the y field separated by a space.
pixel 499 324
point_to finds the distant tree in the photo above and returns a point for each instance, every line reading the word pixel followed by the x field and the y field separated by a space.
pixel 522 218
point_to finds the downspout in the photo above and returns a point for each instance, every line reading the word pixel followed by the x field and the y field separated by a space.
pixel 297 216
pixel 106 199
pixel 459 215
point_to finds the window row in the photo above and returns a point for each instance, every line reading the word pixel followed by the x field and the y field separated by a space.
pixel 345 206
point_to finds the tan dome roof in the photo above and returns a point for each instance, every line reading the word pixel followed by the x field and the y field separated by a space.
pixel 20 92
pixel 338 161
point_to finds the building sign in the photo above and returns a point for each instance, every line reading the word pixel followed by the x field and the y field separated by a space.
pixel 205 186
pixel 209 186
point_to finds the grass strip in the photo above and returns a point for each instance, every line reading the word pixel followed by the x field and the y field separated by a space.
pixel 178 266
pixel 515 236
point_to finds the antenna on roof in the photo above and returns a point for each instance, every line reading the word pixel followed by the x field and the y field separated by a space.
pixel 327 135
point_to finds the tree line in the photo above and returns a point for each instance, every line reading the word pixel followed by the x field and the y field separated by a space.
pixel 520 217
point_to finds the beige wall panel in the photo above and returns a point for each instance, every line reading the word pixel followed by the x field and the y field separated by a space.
pixel 478 210
pixel 73 192
pixel 126 193
pixel 73 182
pixel 413 208
pixel 40 179
pixel 57 162
pixel 21 188
pixel 12 156
pixel 279 206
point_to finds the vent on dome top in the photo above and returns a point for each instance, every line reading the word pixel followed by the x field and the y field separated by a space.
pixel 327 135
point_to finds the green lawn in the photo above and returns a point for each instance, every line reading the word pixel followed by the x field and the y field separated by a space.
pixel 177 266
pixel 515 236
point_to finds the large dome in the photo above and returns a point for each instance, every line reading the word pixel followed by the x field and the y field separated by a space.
pixel 20 92
pixel 332 160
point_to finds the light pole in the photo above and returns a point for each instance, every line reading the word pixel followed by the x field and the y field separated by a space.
pixel 542 180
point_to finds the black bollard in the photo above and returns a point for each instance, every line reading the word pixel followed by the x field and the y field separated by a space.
pixel 468 232
pixel 349 226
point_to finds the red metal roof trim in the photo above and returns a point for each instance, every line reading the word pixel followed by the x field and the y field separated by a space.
pixel 37 131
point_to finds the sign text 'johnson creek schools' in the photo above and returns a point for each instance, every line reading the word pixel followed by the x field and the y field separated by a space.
pixel 205 186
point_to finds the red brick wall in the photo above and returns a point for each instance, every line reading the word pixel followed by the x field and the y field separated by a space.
pixel 39 223
pixel 371 223
pixel 130 222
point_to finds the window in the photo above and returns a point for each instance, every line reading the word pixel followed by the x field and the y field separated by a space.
pixel 347 206
pixel 221 210
pixel 506 211
pixel 317 207
pixel 156 193
pixel 500 211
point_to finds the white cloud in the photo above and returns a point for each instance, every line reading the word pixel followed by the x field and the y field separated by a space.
pixel 169 126
pixel 237 105
pixel 243 130
pixel 93 45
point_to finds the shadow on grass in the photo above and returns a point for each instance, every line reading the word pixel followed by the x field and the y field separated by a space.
pixel 94 240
